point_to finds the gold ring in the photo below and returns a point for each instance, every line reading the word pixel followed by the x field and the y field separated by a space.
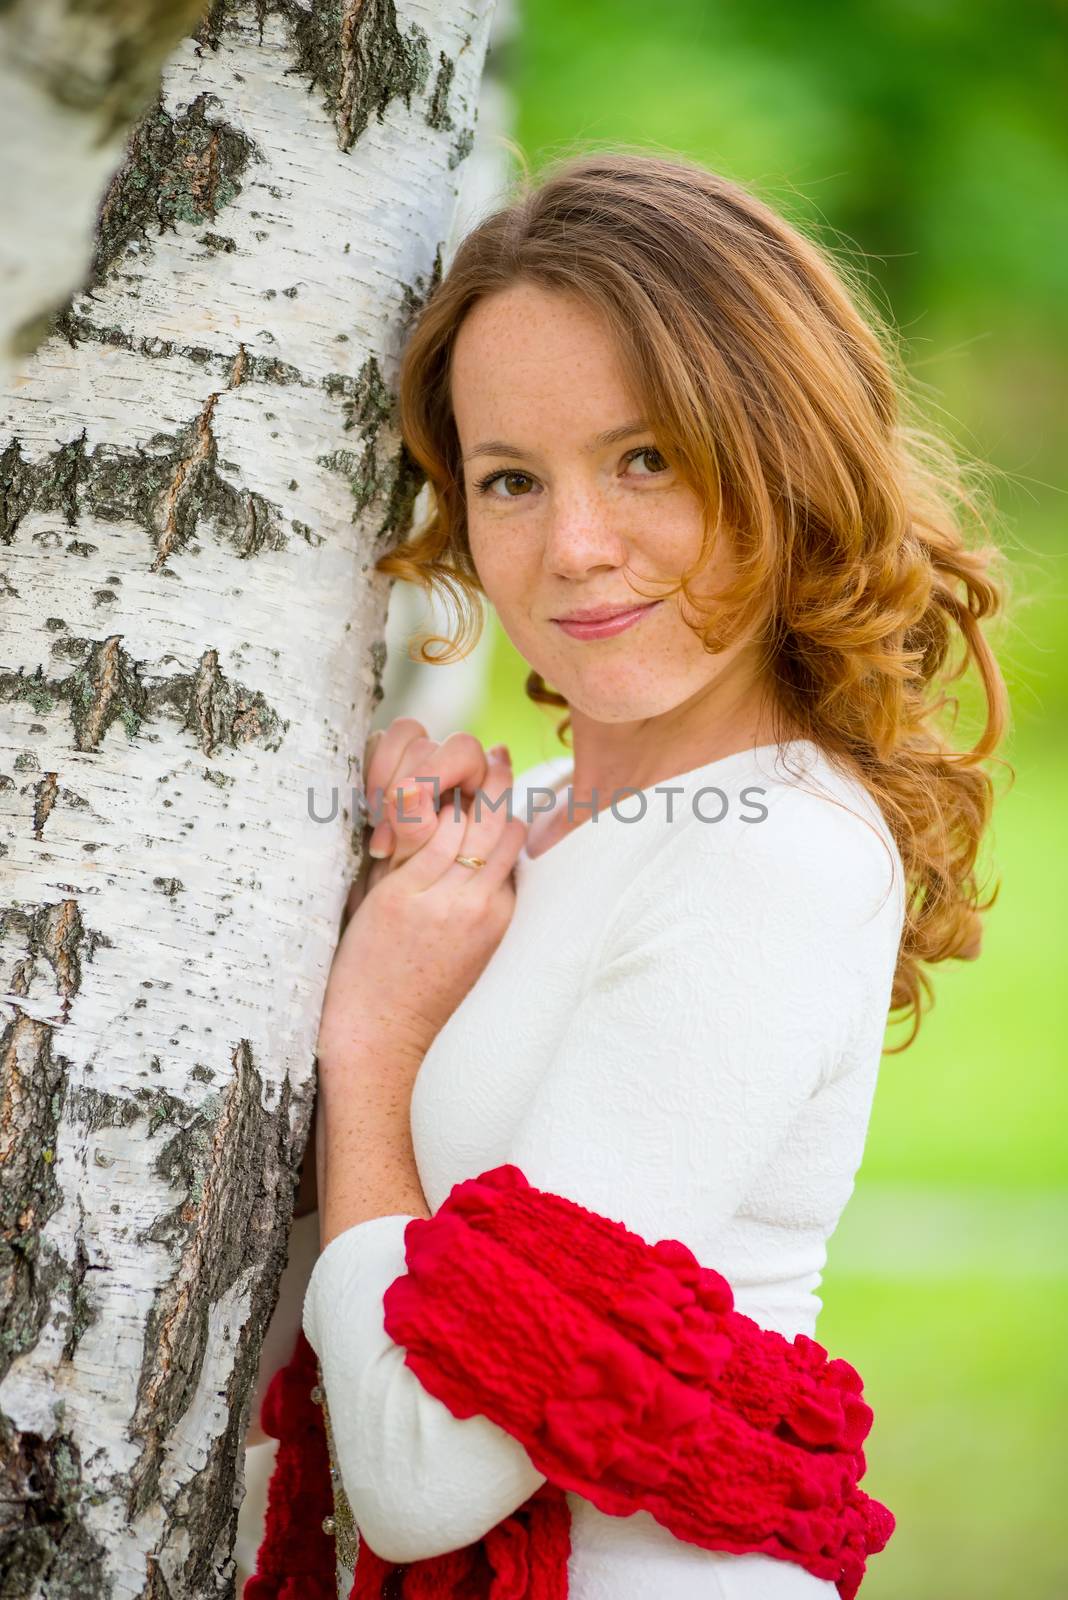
pixel 470 861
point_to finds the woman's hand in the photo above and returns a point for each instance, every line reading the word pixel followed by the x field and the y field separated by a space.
pixel 401 751
pixel 423 933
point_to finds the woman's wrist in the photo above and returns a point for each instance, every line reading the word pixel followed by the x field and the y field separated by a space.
pixel 371 1057
pixel 366 1163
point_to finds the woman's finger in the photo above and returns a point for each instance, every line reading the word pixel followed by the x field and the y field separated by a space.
pixel 412 815
pixel 459 763
pixel 383 758
pixel 382 761
pixel 430 864
pixel 493 834
pixel 463 763
pixel 417 814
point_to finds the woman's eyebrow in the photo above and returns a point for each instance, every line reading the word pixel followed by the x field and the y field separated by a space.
pixel 500 447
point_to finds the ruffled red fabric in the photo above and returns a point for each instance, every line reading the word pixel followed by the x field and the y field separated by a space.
pixel 627 1375
pixel 295 1560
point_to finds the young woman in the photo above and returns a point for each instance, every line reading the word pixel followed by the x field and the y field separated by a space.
pixel 660 989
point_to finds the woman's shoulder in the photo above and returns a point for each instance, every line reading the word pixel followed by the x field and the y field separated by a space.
pixel 812 837
pixel 796 829
pixel 823 814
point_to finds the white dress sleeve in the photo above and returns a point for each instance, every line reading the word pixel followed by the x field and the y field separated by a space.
pixel 730 981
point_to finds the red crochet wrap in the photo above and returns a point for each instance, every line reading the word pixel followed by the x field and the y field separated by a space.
pixel 296 1558
pixel 628 1377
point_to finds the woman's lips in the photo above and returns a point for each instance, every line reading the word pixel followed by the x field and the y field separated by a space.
pixel 605 630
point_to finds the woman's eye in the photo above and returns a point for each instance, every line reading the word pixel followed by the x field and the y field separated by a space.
pixel 518 484
pixel 486 485
pixel 649 450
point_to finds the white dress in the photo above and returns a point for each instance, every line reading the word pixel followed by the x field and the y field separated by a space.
pixel 681 1029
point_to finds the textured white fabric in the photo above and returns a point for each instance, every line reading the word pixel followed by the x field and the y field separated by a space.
pixel 681 1029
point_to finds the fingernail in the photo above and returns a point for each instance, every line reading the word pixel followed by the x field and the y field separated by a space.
pixel 501 753
pixel 379 844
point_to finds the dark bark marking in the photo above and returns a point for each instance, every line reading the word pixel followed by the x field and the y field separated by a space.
pixel 44 798
pixel 369 405
pixel 93 1109
pixel 45 1545
pixel 105 690
pixel 70 470
pixel 437 115
pixel 415 296
pixel 54 934
pixel 83 1308
pixel 78 329
pixel 367 401
pixel 168 487
pixel 379 655
pixel 355 54
pixel 221 712
pixel 18 490
pixel 32 1084
pixel 107 686
pixel 461 148
pixel 157 1587
pixel 235 1166
pixel 25 486
pixel 181 168
pixel 196 485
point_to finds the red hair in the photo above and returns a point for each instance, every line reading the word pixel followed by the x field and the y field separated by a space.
pixel 787 409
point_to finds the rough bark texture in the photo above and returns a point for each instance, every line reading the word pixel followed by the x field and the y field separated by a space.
pixel 197 469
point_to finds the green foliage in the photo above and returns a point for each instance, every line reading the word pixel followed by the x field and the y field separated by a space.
pixel 966 1378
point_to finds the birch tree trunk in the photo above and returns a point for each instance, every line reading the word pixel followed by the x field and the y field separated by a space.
pixel 197 472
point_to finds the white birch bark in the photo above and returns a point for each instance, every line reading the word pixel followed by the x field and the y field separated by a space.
pixel 197 471
pixel 72 79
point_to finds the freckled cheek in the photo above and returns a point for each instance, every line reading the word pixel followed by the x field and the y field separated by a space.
pixel 502 565
pixel 667 533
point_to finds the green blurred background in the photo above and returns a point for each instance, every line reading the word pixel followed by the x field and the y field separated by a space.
pixel 921 141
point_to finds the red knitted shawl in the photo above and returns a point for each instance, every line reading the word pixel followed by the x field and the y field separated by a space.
pixel 628 1377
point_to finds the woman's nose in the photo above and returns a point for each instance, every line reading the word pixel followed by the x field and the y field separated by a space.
pixel 581 534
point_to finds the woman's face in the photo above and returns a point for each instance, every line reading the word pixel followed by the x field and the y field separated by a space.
pixel 560 521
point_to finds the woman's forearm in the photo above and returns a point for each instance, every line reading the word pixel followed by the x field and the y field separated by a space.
pixel 365 1163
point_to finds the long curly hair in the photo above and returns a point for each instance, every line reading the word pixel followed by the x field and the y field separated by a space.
pixel 778 393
